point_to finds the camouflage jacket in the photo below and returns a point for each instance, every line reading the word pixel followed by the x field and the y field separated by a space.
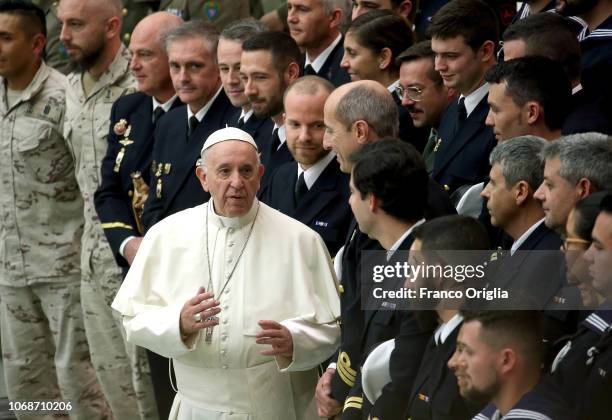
pixel 41 208
pixel 85 129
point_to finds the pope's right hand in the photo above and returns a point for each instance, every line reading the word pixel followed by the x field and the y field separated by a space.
pixel 326 406
pixel 205 306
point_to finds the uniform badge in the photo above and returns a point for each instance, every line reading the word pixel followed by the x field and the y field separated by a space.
pixel 120 127
pixel 211 9
pixel 437 146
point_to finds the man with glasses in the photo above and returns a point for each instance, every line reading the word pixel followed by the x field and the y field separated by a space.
pixel 423 93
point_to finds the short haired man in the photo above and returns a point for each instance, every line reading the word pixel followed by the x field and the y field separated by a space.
pixel 552 36
pixel 464 34
pixel 192 51
pixel 574 167
pixel 229 52
pixel 251 343
pixel 528 96
pixel 269 63
pixel 315 26
pixel 119 199
pixel 312 189
pixel 91 33
pixel 424 93
pixel 498 360
pixel 380 171
pixel 41 319
pixel 355 114
pixel 516 172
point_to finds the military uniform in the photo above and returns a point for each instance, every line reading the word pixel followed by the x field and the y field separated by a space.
pixel 40 226
pixel 122 368
pixel 133 11
pixel 217 12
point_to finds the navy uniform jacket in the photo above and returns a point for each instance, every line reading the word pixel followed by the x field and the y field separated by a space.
pixel 595 46
pixel 581 369
pixel 271 160
pixel 174 185
pixel 541 403
pixel 324 208
pixel 114 196
pixel 411 333
pixel 463 159
pixel 435 394
pixel 331 69
pixel 259 129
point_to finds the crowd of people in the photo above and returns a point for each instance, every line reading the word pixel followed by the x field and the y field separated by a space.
pixel 191 207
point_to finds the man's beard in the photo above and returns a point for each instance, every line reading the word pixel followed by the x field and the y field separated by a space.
pixel 89 56
pixel 481 396
pixel 575 7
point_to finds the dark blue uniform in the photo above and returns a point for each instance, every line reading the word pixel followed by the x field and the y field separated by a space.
pixel 325 206
pixel 174 185
pixel 331 69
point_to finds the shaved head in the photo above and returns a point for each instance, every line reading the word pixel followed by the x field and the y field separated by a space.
pixel 156 25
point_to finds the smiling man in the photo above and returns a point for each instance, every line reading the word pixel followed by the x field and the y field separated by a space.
pixel 312 189
pixel 464 34
pixel 191 49
pixel 245 335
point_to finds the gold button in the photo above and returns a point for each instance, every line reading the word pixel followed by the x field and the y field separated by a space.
pixel 341 288
pixel 446 187
pixel 124 11
pixel 126 38
pixel 130 193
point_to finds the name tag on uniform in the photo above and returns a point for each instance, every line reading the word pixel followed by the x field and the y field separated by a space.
pixel 320 223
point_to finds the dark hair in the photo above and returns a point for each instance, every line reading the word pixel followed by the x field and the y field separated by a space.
pixel 549 35
pixel 585 213
pixel 33 19
pixel 536 78
pixel 415 8
pixel 606 204
pixel 283 48
pixel 523 329
pixel 474 20
pixel 394 171
pixel 450 233
pixel 242 29
pixel 379 29
pixel 418 51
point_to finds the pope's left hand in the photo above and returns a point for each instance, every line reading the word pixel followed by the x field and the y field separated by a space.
pixel 276 335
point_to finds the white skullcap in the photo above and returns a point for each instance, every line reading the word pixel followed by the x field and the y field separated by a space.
pixel 228 133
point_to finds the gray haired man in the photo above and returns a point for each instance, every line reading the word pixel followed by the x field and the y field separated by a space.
pixel 574 167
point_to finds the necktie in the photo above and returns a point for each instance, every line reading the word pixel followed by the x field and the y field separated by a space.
pixel 157 114
pixel 429 152
pixel 275 142
pixel 309 71
pixel 300 189
pixel 240 122
pixel 461 114
pixel 193 124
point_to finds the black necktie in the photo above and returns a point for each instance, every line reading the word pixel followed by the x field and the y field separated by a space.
pixel 193 124
pixel 157 114
pixel 300 189
pixel 461 114
pixel 309 71
pixel 240 122
pixel 275 142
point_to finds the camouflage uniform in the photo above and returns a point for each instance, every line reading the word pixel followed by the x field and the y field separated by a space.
pixel 43 340
pixel 217 12
pixel 57 57
pixel 121 367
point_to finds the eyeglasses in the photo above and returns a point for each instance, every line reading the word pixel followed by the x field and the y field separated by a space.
pixel 567 242
pixel 412 92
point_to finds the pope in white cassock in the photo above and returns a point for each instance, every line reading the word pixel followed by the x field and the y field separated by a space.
pixel 240 296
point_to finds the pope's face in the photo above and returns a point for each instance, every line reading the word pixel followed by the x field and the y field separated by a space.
pixel 231 176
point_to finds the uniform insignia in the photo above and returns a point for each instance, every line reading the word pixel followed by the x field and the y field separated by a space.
pixel 167 168
pixel 118 160
pixel 158 171
pixel 423 397
pixel 158 189
pixel 602 373
pixel 320 223
pixel 120 127
pixel 211 8
pixel 558 299
pixel 437 146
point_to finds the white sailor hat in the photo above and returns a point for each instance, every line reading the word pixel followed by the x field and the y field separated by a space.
pixel 228 133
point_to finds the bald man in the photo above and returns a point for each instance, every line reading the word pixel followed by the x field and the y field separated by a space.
pixel 90 32
pixel 126 167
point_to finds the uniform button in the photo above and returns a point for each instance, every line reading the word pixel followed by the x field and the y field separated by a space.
pixel 225 321
pixel 224 366
pixel 446 187
pixel 225 307
pixel 124 12
pixel 223 352
pixel 126 38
